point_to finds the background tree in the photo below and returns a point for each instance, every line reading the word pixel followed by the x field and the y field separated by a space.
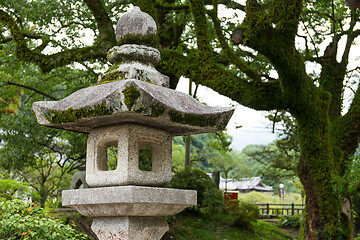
pixel 326 137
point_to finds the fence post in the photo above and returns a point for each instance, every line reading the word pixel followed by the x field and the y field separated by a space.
pixel 267 209
pixel 292 209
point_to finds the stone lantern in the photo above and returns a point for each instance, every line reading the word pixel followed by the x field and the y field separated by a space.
pixel 132 109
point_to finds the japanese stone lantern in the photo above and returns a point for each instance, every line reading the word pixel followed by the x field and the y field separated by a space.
pixel 132 109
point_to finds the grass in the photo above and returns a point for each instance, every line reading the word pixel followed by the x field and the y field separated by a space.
pixel 220 227
pixel 258 197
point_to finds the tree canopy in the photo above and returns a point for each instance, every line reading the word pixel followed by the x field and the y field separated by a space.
pixel 51 48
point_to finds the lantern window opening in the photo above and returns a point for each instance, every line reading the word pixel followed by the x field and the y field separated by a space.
pixel 145 158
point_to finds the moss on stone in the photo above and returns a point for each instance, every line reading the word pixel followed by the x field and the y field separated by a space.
pixel 114 67
pixel 73 115
pixel 157 110
pixel 112 76
pixel 131 94
pixel 195 120
pixel 147 40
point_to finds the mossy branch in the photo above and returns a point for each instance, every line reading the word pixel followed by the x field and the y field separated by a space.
pixel 232 4
pixel 257 95
pixel 347 128
pixel 48 62
pixel 103 21
pixel 171 7
pixel 350 37
pixel 254 75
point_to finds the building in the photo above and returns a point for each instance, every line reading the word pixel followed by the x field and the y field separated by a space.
pixel 244 185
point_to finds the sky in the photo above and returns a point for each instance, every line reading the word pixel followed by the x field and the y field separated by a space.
pixel 256 129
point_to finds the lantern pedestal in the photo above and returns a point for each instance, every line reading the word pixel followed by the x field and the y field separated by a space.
pixel 150 228
pixel 129 212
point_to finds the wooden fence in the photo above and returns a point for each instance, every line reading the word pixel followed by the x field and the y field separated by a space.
pixel 275 210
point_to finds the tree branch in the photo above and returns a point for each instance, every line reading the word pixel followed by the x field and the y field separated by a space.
pixel 347 128
pixel 103 20
pixel 171 7
pixel 48 62
pixel 350 38
pixel 254 75
pixel 257 95
pixel 232 4
pixel 31 88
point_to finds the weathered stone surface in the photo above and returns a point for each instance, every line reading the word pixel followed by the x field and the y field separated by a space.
pixel 138 71
pixel 129 139
pixel 125 228
pixel 78 180
pixel 133 52
pixel 128 201
pixel 137 62
pixel 135 23
pixel 132 101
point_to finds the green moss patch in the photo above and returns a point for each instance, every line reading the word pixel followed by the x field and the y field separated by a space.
pixel 195 120
pixel 157 110
pixel 73 115
pixel 112 76
pixel 147 40
pixel 131 94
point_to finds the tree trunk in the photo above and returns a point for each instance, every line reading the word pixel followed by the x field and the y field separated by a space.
pixel 43 196
pixel 325 218
pixel 187 152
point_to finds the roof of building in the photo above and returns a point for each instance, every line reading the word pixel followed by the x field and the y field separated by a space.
pixel 243 184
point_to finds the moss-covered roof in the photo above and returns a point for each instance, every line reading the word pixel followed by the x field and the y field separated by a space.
pixel 132 101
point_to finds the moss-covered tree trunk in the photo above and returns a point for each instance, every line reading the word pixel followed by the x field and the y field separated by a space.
pixel 317 171
pixel 326 138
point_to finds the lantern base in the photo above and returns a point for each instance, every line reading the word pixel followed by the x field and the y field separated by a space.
pixel 130 228
pixel 125 201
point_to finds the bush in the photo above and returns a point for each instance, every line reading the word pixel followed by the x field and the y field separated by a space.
pixel 290 221
pixel 19 220
pixel 244 213
pixel 10 188
pixel 208 196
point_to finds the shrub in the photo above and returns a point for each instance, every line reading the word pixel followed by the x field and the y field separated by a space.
pixel 244 213
pixel 19 220
pixel 208 196
pixel 290 221
pixel 10 188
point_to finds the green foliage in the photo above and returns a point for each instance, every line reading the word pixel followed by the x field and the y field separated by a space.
pixel 10 188
pixel 290 221
pixel 19 220
pixel 178 156
pixel 220 226
pixel 210 152
pixel 145 159
pixel 244 213
pixel 208 196
pixel 273 164
pixel 258 197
